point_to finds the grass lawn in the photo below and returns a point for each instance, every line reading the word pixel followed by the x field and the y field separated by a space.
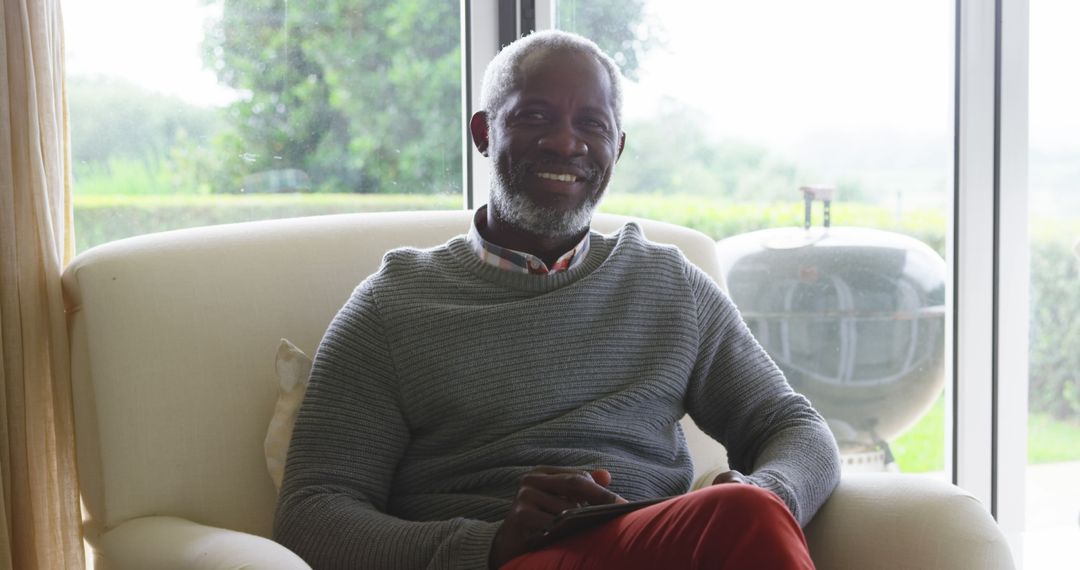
pixel 922 448
pixel 1051 440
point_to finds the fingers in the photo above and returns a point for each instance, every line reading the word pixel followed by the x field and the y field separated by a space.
pixel 601 476
pixel 530 523
pixel 544 493
pixel 519 532
pixel 533 498
pixel 550 470
pixel 574 485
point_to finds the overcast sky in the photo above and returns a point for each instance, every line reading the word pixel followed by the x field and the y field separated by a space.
pixel 769 70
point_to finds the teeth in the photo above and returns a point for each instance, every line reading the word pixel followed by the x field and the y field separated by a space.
pixel 559 177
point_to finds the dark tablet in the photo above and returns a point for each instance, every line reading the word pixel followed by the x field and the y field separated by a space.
pixel 573 521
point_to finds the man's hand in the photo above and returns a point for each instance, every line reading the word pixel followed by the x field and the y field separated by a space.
pixel 544 493
pixel 730 477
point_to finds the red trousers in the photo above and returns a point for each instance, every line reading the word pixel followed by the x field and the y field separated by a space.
pixel 722 526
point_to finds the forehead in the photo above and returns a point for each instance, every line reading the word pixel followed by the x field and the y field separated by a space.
pixel 563 75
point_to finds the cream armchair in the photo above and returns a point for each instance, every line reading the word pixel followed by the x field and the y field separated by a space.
pixel 173 338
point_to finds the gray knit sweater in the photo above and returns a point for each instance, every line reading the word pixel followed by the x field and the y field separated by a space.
pixel 443 379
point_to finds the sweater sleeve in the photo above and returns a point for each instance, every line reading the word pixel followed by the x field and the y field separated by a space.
pixel 740 397
pixel 350 435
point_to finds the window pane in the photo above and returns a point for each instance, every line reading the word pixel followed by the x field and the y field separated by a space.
pixel 1053 499
pixel 731 107
pixel 196 112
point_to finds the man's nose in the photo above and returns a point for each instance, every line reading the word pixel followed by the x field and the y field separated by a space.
pixel 563 140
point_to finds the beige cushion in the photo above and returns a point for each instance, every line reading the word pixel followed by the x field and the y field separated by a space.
pixel 167 543
pixel 293 372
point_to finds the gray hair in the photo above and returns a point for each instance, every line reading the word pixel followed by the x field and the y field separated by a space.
pixel 501 75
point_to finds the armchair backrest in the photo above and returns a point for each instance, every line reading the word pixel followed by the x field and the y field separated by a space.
pixel 173 337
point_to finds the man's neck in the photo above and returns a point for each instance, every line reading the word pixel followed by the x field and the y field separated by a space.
pixel 548 249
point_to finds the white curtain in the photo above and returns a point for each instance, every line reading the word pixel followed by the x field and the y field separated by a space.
pixel 40 522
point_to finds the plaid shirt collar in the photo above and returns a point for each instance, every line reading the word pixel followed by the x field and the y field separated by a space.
pixel 519 261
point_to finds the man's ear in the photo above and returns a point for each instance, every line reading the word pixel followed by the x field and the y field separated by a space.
pixel 478 127
pixel 622 143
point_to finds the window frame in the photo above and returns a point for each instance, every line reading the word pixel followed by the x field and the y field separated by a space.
pixel 990 284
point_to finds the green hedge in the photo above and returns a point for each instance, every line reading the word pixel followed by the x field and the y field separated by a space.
pixel 1054 368
pixel 1055 286
pixel 101 219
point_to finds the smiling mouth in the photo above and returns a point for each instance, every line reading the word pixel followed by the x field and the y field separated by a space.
pixel 558 177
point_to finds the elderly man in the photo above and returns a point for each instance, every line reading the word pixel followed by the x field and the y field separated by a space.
pixel 467 394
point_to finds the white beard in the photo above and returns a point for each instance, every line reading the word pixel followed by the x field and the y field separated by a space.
pixel 519 211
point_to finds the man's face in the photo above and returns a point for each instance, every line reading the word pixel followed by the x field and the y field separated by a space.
pixel 554 144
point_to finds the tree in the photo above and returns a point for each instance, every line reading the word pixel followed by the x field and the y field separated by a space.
pixel 363 95
pixel 285 112
pixel 394 69
pixel 619 27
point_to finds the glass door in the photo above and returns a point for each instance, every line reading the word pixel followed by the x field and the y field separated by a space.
pixel 1052 509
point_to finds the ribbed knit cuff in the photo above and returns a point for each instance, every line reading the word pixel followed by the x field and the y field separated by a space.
pixel 771 482
pixel 474 546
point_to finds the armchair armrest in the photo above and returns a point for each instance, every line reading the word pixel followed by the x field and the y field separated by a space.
pixel 892 521
pixel 171 542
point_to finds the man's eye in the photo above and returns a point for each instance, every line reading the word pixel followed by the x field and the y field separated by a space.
pixel 532 116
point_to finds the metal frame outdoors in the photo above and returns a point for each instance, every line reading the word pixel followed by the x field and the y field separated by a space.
pixel 971 252
pixel 989 258
pixel 480 43
pixel 1013 259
